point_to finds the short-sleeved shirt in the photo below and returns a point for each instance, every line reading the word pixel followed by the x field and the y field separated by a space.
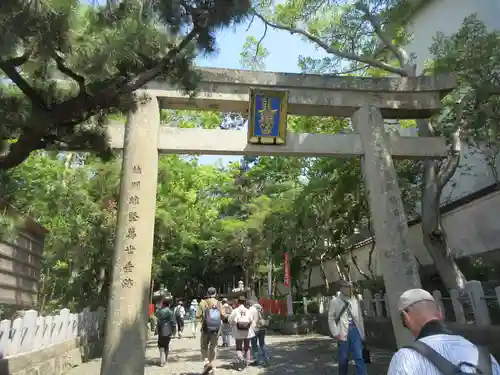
pixel 455 349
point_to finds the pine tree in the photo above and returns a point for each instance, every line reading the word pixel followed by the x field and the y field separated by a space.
pixel 67 65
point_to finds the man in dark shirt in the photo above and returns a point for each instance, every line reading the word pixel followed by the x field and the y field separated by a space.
pixel 166 328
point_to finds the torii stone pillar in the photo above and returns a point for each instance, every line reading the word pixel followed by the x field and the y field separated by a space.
pixel 398 263
pixel 127 312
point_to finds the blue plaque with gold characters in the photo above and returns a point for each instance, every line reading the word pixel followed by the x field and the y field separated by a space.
pixel 267 117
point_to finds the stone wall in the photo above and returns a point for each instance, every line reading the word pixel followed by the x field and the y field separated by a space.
pixel 52 360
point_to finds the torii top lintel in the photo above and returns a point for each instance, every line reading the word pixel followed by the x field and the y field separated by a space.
pixel 227 90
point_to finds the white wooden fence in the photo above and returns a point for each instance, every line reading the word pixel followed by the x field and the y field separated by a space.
pixel 33 332
pixel 473 297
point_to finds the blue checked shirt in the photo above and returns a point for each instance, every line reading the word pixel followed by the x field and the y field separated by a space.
pixel 456 349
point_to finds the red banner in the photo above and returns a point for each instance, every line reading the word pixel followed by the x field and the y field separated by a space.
pixel 286 278
pixel 274 306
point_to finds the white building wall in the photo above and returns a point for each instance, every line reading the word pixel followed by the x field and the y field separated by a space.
pixel 446 16
pixel 472 229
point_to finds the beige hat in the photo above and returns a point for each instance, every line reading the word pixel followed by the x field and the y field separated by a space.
pixel 413 296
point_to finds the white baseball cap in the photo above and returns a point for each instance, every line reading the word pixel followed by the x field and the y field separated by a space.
pixel 413 296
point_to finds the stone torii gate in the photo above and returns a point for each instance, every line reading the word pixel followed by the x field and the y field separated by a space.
pixel 365 100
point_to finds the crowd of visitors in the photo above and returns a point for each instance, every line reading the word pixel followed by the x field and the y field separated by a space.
pixel 243 324
pixel 435 351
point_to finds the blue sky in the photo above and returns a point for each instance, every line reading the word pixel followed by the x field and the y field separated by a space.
pixel 284 51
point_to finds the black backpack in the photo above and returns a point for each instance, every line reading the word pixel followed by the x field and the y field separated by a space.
pixel 446 367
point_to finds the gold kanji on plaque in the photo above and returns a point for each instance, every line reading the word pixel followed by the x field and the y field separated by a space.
pixel 267 116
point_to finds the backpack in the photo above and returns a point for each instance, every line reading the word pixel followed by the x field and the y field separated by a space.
pixel 178 312
pixel 166 329
pixel 213 318
pixel 446 367
pixel 165 325
pixel 243 322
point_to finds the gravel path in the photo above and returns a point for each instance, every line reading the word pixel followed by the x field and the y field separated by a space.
pixel 291 355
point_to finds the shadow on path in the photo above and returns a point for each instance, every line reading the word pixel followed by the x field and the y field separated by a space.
pixel 290 355
pixel 314 355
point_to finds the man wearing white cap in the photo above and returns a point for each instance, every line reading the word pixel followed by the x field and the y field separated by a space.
pixel 436 350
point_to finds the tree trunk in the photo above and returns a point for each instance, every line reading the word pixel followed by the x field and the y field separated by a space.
pixel 434 235
pixel 246 277
pixel 342 268
pixel 298 288
pixel 372 250
pixel 309 279
pixel 42 295
pixel 358 268
pixel 323 272
pixel 276 291
pixel 103 287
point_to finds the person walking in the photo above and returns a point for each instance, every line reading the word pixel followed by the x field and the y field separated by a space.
pixel 211 315
pixel 179 313
pixel 436 350
pixel 166 328
pixel 243 331
pixel 259 340
pixel 345 321
pixel 226 328
pixel 193 308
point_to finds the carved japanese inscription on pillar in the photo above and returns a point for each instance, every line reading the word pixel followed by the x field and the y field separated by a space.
pixel 131 236
pixel 134 243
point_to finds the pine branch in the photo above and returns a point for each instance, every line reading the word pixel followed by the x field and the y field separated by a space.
pixel 29 140
pixel 10 71
pixel 150 74
pixel 17 61
pixel 70 73
pixel 63 114
pixel 369 60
